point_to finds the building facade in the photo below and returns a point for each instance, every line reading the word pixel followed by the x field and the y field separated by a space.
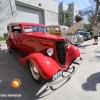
pixel 36 11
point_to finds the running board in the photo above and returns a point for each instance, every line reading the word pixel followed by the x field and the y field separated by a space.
pixel 17 53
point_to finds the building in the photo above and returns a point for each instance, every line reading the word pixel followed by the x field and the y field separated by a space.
pixel 37 11
pixel 74 9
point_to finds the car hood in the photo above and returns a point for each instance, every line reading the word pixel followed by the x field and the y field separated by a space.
pixel 42 35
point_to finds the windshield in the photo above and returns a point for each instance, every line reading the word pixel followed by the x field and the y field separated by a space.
pixel 34 29
pixel 64 28
pixel 81 30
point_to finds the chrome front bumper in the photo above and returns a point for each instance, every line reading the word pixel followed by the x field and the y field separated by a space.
pixel 66 74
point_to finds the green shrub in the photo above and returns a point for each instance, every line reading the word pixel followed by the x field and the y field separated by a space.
pixel 92 32
pixel 5 35
pixel 2 38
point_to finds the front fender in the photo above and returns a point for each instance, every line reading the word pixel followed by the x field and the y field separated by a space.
pixel 46 65
pixel 72 53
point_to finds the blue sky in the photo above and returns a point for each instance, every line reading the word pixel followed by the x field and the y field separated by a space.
pixel 81 3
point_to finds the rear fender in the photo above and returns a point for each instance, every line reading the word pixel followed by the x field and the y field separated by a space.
pixel 47 67
pixel 10 42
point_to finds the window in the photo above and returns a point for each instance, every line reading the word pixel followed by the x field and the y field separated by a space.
pixel 34 29
pixel 42 29
pixel 27 29
pixel 51 29
pixel 48 29
pixel 63 29
pixel 8 28
pixel 57 29
pixel 16 29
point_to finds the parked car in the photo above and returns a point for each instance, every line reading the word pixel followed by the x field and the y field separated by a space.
pixel 87 35
pixel 48 56
pixel 60 30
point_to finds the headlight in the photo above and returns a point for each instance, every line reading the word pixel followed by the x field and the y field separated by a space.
pixel 50 51
pixel 68 42
pixel 75 39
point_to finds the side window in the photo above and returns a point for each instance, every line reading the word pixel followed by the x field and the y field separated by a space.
pixel 51 29
pixel 8 28
pixel 57 29
pixel 16 29
pixel 48 29
pixel 63 29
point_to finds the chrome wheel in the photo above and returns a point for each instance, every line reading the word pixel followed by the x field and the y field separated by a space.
pixel 34 71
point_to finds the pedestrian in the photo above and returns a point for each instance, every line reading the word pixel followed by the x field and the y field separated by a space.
pixel 96 32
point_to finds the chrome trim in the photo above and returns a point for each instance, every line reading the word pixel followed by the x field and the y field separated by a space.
pixel 71 67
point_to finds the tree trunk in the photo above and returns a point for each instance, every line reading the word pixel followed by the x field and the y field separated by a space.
pixel 95 15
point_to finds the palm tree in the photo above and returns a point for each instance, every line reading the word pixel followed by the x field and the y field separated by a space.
pixel 66 17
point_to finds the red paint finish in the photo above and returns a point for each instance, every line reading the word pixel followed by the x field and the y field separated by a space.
pixel 35 45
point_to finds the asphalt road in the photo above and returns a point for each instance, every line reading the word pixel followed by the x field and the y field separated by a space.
pixel 83 85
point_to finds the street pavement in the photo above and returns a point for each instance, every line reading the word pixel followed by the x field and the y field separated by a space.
pixel 83 85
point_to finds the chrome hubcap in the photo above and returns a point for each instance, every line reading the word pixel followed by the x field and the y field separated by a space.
pixel 34 71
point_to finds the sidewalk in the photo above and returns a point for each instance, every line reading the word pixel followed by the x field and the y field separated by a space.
pixel 3 45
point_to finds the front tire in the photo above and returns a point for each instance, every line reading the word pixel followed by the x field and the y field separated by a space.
pixel 35 74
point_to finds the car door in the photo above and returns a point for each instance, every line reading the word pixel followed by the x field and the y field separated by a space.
pixel 57 31
pixel 52 31
pixel 17 36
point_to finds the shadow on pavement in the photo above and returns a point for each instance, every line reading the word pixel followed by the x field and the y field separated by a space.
pixel 84 46
pixel 98 57
pixel 91 82
pixel 11 68
pixel 97 53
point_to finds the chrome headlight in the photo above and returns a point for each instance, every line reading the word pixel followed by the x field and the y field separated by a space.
pixel 50 51
pixel 75 38
pixel 68 42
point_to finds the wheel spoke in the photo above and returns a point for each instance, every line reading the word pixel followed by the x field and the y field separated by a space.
pixel 34 71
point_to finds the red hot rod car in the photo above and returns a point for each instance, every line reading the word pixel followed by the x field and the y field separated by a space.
pixel 49 57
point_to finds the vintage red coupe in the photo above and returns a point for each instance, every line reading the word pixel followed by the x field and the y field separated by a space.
pixel 49 57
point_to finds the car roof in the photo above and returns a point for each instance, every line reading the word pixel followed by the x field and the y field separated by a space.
pixel 62 26
pixel 26 24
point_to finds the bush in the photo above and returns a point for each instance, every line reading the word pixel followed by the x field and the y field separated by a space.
pixel 2 38
pixel 5 35
pixel 92 32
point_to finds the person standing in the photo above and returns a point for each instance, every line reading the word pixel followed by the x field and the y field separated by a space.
pixel 96 32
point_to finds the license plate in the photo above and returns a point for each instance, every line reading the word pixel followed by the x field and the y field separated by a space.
pixel 57 75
